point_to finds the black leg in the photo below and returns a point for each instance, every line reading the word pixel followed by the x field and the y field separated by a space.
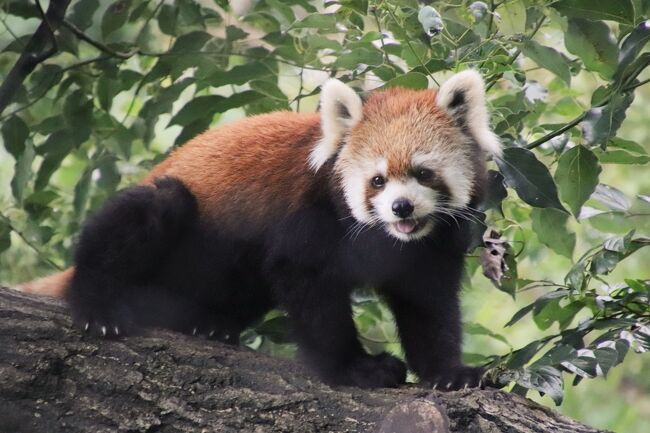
pixel 428 318
pixel 321 315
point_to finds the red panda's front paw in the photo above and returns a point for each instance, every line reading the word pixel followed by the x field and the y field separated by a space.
pixel 375 371
pixel 99 328
pixel 104 324
pixel 456 378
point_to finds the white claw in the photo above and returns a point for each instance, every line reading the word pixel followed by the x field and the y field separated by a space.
pixel 86 326
pixel 103 331
pixel 435 385
pixel 117 330
pixel 194 331
pixel 466 386
pixel 480 384
pixel 448 385
pixel 226 337
pixel 211 334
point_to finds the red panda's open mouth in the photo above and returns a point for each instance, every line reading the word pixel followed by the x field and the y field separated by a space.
pixel 408 226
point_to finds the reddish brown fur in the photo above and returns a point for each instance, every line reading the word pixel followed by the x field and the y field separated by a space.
pixel 394 112
pixel 250 170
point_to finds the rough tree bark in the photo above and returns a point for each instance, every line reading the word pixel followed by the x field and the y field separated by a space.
pixel 54 380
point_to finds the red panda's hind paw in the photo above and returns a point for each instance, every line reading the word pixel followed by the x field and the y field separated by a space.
pixel 462 377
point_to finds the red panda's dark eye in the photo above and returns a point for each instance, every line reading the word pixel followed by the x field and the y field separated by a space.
pixel 378 181
pixel 423 174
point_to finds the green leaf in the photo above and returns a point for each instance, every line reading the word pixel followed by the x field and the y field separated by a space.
pixel 82 13
pixel 522 356
pixel 496 192
pixel 529 177
pixel 513 17
pixel 478 329
pixel 621 157
pixel 276 330
pixel 630 49
pixel 547 380
pixel 190 42
pixel 520 314
pixel 81 190
pixel 410 80
pixel 234 33
pixel 360 6
pixel 238 75
pixel 593 42
pixel 604 261
pixel 351 60
pixel 167 19
pixel 577 176
pixel 611 197
pixel 268 88
pixel 115 16
pixel 14 135
pixel 576 276
pixel 550 227
pixel 582 366
pixel 106 89
pixel 628 145
pixel 618 10
pixel 78 115
pixel 207 106
pixel 601 123
pixel 548 58
pixel 22 171
pixel 606 357
pixel 5 235
pixel 323 22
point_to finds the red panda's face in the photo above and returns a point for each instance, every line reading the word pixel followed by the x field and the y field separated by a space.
pixel 403 170
pixel 405 157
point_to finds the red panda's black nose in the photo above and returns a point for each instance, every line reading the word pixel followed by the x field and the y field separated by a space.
pixel 402 208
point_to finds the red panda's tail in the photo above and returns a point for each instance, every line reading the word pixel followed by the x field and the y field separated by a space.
pixel 53 285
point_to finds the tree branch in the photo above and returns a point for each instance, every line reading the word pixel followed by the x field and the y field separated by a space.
pixel 40 47
pixel 54 379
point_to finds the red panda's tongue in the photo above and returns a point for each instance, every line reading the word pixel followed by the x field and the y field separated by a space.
pixel 405 226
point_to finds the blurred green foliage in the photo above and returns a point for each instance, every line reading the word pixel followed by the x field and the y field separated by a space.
pixel 129 80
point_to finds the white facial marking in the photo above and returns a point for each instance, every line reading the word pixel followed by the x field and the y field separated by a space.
pixel 336 98
pixel 424 202
pixel 354 189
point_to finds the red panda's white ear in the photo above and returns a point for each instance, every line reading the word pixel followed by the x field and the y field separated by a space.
pixel 341 109
pixel 463 97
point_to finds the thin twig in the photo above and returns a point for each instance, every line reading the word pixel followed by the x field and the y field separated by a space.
pixel 100 46
pixel 29 243
pixel 516 54
pixel 408 43
pixel 557 132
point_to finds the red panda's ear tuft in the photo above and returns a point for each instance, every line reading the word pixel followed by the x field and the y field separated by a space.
pixel 463 97
pixel 341 109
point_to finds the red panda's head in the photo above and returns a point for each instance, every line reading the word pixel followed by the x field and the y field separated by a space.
pixel 405 156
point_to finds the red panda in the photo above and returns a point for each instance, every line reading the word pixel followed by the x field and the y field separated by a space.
pixel 295 211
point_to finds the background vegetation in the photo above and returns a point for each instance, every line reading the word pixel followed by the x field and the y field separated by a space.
pixel 110 87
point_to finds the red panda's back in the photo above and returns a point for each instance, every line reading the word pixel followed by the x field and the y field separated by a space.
pixel 247 173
